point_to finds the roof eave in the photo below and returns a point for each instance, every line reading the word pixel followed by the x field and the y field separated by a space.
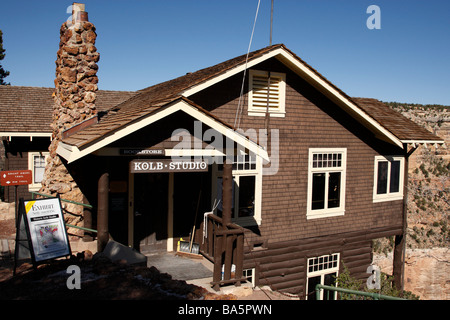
pixel 72 153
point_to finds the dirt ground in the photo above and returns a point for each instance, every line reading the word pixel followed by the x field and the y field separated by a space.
pixel 101 279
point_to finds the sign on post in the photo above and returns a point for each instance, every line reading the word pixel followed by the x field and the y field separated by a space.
pixel 15 177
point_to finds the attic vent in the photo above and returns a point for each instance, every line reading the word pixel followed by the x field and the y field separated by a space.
pixel 258 81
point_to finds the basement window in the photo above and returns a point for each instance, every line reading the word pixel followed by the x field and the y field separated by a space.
pixel 388 178
pixel 261 88
pixel 322 270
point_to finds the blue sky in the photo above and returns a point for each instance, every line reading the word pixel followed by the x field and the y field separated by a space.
pixel 142 43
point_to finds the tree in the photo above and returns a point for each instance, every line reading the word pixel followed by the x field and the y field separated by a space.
pixel 3 72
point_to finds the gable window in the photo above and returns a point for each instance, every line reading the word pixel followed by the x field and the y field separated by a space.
pixel 326 182
pixel 322 270
pixel 388 178
pixel 36 163
pixel 262 87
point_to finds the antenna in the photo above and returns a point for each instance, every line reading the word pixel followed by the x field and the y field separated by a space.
pixel 271 23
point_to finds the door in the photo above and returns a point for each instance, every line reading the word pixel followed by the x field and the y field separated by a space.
pixel 150 212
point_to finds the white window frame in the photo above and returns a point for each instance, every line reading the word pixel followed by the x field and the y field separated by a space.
pixel 326 212
pixel 324 271
pixel 260 109
pixel 388 196
pixel 35 186
pixel 237 173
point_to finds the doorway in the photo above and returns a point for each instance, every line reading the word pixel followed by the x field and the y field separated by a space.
pixel 150 212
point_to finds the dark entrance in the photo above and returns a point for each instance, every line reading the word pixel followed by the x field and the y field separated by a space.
pixel 191 199
pixel 150 212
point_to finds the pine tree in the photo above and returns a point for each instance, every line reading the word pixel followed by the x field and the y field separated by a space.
pixel 3 72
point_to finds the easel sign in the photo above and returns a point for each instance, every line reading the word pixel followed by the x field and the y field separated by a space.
pixel 45 228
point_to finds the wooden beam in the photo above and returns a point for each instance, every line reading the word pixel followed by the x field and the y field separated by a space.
pixel 102 212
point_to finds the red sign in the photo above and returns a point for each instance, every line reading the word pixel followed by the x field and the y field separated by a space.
pixel 15 178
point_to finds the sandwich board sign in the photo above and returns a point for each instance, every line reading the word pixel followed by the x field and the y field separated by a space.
pixel 45 233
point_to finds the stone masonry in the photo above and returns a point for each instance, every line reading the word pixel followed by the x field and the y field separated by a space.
pixel 74 96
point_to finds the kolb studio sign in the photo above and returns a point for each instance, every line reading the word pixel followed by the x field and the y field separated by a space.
pixel 46 229
pixel 166 165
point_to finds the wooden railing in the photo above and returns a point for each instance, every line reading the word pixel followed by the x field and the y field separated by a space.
pixel 224 246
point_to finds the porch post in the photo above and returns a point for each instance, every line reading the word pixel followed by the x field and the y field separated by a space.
pixel 400 240
pixel 227 186
pixel 102 212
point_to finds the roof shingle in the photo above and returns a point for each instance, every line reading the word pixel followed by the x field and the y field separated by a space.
pixel 29 109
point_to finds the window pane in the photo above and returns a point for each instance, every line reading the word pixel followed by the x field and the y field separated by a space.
pixel 318 192
pixel 39 168
pixel 246 196
pixel 382 177
pixel 394 185
pixel 334 189
pixel 312 282
pixel 329 280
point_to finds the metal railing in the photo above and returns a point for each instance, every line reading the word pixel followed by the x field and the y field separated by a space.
pixel 373 295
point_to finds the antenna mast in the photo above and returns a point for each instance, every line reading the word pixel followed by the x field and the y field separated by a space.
pixel 271 22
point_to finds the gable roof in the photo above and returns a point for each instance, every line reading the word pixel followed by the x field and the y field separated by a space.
pixel 75 148
pixel 386 123
pixel 404 129
pixel 17 103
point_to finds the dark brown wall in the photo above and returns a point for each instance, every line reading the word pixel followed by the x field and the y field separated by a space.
pixel 311 121
pixel 288 239
pixel 16 158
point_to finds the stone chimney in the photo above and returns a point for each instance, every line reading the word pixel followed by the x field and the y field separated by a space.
pixel 76 73
pixel 74 100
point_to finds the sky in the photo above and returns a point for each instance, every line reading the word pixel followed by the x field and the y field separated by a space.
pixel 145 42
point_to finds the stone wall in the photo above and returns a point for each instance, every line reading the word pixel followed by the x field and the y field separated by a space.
pixel 74 96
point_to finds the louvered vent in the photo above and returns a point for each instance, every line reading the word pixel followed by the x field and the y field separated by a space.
pixel 258 92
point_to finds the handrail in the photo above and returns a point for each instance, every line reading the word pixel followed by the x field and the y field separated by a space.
pixel 70 201
pixel 373 295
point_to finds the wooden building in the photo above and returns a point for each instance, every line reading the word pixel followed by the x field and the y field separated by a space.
pixel 316 174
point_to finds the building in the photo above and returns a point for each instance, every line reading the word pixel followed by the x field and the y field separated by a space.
pixel 312 177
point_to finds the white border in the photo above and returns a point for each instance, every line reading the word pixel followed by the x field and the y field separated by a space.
pixel 325 213
pixel 389 196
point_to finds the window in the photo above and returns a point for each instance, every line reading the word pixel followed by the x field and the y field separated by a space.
pixel 246 190
pixel 388 178
pixel 36 163
pixel 249 274
pixel 258 84
pixel 326 182
pixel 322 270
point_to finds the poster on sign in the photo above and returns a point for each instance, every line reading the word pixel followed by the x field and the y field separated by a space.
pixel 46 229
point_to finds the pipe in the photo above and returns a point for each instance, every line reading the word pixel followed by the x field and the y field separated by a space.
pixel 102 212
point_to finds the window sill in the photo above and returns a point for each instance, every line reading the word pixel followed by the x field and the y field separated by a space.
pixel 324 214
pixel 275 114
pixel 387 198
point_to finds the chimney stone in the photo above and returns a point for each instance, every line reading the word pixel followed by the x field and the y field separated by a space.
pixel 74 101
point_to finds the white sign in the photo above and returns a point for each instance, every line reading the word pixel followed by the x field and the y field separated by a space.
pixel 167 165
pixel 47 230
